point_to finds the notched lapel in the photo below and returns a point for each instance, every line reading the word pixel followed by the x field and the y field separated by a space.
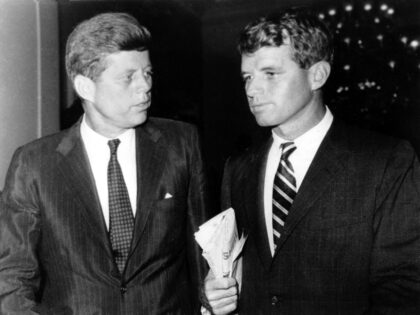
pixel 151 158
pixel 327 165
pixel 254 202
pixel 77 174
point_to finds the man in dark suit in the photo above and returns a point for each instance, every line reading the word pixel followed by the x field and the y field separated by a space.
pixel 99 218
pixel 332 212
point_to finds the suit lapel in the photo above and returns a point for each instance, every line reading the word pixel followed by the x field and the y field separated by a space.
pixel 150 165
pixel 77 173
pixel 254 202
pixel 327 165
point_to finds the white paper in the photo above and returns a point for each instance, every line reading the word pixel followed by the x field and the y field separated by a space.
pixel 221 245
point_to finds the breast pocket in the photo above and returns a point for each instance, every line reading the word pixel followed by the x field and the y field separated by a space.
pixel 168 217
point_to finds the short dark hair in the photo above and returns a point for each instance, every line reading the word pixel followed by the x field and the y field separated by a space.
pixel 310 39
pixel 94 39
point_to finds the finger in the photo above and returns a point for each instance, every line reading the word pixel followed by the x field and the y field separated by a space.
pixel 224 306
pixel 214 295
pixel 219 284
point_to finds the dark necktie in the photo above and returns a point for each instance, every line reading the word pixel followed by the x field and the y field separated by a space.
pixel 284 191
pixel 121 220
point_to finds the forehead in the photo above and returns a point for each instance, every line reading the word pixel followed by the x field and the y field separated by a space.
pixel 267 57
pixel 127 60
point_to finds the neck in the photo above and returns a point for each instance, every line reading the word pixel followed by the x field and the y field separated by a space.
pixel 307 119
pixel 103 129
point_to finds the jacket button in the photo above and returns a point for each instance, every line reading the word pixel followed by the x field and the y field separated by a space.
pixel 123 289
pixel 274 300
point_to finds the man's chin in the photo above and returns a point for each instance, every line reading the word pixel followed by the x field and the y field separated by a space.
pixel 140 119
pixel 262 122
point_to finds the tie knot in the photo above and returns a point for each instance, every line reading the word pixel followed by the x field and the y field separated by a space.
pixel 113 145
pixel 287 148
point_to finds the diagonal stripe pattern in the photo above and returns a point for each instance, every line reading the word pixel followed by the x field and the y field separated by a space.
pixel 121 220
pixel 284 190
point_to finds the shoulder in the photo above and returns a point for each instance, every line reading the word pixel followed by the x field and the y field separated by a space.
pixel 368 150
pixel 359 140
pixel 170 133
pixel 169 126
pixel 44 145
pixel 251 157
pixel 166 123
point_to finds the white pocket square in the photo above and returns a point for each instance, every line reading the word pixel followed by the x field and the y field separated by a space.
pixel 168 196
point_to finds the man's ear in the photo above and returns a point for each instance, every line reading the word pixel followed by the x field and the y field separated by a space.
pixel 319 73
pixel 85 87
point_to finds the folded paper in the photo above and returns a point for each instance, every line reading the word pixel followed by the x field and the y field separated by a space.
pixel 221 245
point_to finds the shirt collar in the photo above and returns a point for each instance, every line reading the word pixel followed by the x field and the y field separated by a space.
pixel 90 136
pixel 310 137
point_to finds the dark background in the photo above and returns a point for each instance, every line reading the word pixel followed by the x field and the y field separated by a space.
pixel 375 81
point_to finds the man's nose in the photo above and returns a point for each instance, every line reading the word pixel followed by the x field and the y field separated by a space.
pixel 253 87
pixel 143 83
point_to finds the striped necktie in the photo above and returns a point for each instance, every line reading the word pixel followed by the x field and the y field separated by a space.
pixel 284 190
pixel 121 219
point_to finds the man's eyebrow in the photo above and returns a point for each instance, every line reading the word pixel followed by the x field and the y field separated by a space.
pixel 128 71
pixel 271 68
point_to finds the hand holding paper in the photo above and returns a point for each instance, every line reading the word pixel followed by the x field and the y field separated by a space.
pixel 221 245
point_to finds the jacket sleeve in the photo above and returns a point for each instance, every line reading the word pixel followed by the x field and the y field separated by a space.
pixel 198 213
pixel 395 260
pixel 19 235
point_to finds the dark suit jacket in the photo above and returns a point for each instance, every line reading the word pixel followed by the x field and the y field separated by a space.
pixel 352 239
pixel 55 254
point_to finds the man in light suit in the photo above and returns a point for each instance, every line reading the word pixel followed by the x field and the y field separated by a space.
pixel 332 212
pixel 99 218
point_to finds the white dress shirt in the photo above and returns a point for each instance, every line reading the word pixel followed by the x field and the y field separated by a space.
pixel 306 147
pixel 99 154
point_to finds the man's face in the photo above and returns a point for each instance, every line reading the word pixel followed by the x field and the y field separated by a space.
pixel 279 91
pixel 122 93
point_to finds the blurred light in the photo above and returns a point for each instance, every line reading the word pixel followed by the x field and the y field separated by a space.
pixel 332 12
pixel 346 67
pixel 384 6
pixel 348 8
pixel 380 37
pixel 392 64
pixel 404 39
pixel 340 89
pixel 414 44
pixel 367 7
pixel 339 25
pixel 390 11
pixel 378 87
pixel 347 40
pixel 346 88
pixel 321 16
pixel 377 20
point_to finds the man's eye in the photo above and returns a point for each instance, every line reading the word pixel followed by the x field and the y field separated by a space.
pixel 246 78
pixel 148 74
pixel 128 78
pixel 271 75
